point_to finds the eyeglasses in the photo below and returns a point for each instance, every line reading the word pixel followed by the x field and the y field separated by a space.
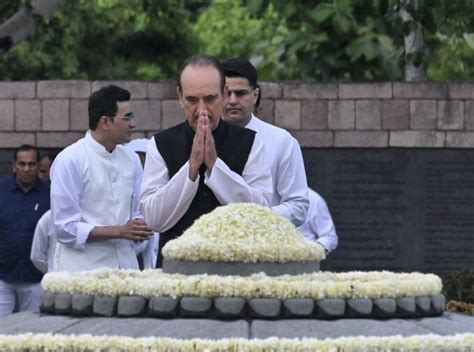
pixel 129 116
pixel 241 93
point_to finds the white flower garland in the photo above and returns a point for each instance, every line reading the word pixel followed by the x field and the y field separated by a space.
pixel 243 232
pixel 49 342
pixel 154 283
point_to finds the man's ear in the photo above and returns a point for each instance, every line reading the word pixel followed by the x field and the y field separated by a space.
pixel 104 122
pixel 256 92
pixel 180 96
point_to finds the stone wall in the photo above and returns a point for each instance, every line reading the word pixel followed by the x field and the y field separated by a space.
pixel 53 114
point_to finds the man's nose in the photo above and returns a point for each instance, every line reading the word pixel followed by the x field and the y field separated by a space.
pixel 231 98
pixel 202 107
pixel 132 123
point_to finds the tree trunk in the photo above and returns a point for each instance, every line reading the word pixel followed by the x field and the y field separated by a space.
pixel 414 44
pixel 26 21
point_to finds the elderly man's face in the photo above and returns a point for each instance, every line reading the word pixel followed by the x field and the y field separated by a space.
pixel 201 91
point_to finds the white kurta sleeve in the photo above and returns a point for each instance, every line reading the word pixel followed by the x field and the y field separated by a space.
pixel 319 226
pixel 66 185
pixel 163 201
pixel 254 186
pixel 135 204
pixel 40 244
pixel 324 226
pixel 291 184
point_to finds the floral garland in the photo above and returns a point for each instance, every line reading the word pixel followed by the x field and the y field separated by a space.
pixel 49 342
pixel 320 285
pixel 460 307
pixel 243 232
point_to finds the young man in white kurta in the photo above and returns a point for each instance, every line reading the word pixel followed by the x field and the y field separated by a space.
pixel 95 184
pixel 284 156
pixel 319 226
pixel 44 243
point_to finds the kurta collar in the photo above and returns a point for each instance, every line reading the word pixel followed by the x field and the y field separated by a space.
pixel 252 122
pixel 97 147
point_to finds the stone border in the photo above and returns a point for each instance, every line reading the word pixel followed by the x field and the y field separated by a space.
pixel 171 266
pixel 238 308
pixel 50 114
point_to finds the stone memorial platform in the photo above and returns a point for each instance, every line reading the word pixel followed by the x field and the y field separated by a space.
pixel 447 324
pixel 238 268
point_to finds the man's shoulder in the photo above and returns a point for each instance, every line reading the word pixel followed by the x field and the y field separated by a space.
pixel 6 181
pixel 42 185
pixel 171 130
pixel 237 129
pixel 71 153
pixel 73 148
pixel 277 133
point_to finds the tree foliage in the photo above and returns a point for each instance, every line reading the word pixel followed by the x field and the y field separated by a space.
pixel 318 40
pixel 323 40
pixel 338 40
pixel 107 39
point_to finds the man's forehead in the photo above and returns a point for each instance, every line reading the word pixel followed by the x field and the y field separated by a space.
pixel 194 76
pixel 26 155
pixel 237 81
pixel 123 105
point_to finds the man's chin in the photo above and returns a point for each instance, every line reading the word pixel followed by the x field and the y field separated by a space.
pixel 234 117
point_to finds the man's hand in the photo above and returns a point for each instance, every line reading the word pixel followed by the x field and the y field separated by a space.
pixel 210 153
pixel 197 151
pixel 135 230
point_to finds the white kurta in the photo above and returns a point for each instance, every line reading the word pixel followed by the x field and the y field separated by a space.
pixel 44 243
pixel 290 196
pixel 150 253
pixel 319 226
pixel 164 201
pixel 92 187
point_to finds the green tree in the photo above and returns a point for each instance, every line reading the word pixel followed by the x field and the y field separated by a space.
pixel 318 40
pixel 107 39
pixel 323 40
pixel 435 36
pixel 344 40
pixel 453 54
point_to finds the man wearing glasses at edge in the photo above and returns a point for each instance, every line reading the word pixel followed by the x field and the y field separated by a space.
pixel 95 184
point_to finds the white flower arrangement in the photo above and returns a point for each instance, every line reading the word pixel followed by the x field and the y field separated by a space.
pixel 50 342
pixel 320 285
pixel 243 232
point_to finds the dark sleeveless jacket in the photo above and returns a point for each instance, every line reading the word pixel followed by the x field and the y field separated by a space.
pixel 233 146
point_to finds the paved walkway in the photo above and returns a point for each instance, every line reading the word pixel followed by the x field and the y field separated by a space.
pixel 447 324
